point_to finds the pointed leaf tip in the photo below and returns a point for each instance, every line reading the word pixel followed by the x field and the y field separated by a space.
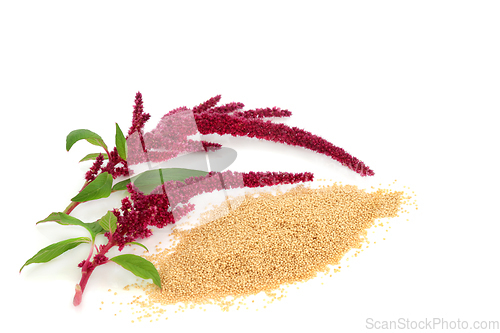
pixel 121 143
pixel 64 219
pixel 93 156
pixel 55 250
pixel 84 134
pixel 139 267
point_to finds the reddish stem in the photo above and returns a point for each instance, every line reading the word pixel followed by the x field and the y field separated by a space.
pixel 73 204
pixel 70 207
pixel 87 269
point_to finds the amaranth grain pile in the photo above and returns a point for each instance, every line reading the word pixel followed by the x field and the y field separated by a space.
pixel 268 241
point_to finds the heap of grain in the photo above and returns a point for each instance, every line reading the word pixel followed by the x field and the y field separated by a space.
pixel 268 241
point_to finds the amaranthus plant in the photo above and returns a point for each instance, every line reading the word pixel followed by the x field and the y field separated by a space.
pixel 158 197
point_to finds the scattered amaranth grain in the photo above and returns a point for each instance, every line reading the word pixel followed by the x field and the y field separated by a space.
pixel 268 241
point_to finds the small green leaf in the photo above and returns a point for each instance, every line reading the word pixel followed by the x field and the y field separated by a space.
pixel 121 143
pixel 84 134
pixel 149 180
pixel 54 250
pixel 91 157
pixel 136 243
pixel 108 222
pixel 64 219
pixel 139 267
pixel 95 229
pixel 97 189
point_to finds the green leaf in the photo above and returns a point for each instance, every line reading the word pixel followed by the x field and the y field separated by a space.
pixel 139 267
pixel 136 243
pixel 97 189
pixel 84 134
pixel 54 250
pixel 108 222
pixel 64 219
pixel 121 143
pixel 150 179
pixel 95 229
pixel 91 157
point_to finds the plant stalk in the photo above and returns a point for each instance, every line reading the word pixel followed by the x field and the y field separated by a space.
pixel 87 269
pixel 73 204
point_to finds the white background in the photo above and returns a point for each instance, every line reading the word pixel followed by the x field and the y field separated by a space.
pixel 409 87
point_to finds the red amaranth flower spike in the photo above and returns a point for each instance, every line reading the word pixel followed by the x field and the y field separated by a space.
pixel 207 105
pixel 168 140
pixel 111 167
pixel 263 113
pixel 100 259
pixel 181 192
pixel 261 179
pixel 141 212
pixel 163 143
pixel 139 118
pixel 227 108
pixel 218 123
pixel 94 169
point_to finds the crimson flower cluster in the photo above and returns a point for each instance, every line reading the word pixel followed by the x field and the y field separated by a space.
pixel 139 212
pixel 170 138
pixel 181 192
pixel 99 259
pixel 261 179
pixel 95 168
pixel 139 117
pixel 211 120
pixel 111 167
pixel 263 113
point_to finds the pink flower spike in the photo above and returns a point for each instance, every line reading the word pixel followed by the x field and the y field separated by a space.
pixel 218 123
pixel 263 113
pixel 227 108
pixel 168 140
pixel 180 193
pixel 139 118
pixel 94 169
pixel 207 105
